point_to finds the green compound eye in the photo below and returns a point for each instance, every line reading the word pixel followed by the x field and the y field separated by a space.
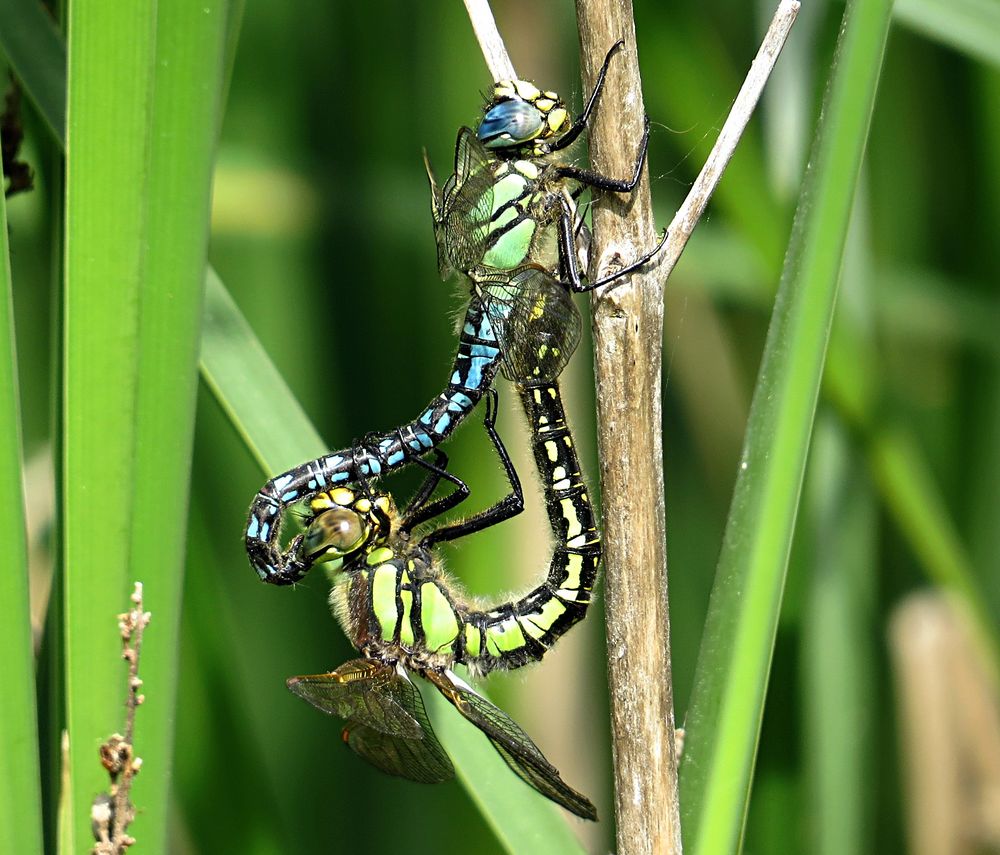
pixel 333 534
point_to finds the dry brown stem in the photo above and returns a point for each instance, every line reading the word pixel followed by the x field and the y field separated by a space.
pixel 113 812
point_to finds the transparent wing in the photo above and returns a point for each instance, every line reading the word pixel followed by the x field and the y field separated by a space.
pixel 422 760
pixel 387 723
pixel 512 743
pixel 437 204
pixel 537 323
pixel 366 692
pixel 467 204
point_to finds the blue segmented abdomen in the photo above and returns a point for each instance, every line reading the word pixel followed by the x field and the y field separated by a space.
pixel 476 364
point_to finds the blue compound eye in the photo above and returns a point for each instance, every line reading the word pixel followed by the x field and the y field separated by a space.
pixel 510 123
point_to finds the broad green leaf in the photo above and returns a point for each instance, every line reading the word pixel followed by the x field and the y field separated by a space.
pixel 110 76
pixel 184 118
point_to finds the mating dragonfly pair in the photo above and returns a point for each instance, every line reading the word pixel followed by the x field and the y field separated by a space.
pixel 508 222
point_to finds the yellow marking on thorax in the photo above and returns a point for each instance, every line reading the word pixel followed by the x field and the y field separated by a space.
pixel 406 625
pixel 437 617
pixel 384 599
pixel 528 169
pixel 473 639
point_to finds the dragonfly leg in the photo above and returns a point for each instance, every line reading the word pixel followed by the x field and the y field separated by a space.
pixel 510 505
pixel 568 259
pixel 580 123
pixel 605 182
pixel 418 510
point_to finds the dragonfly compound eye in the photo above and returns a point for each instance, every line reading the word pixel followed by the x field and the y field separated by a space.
pixel 334 534
pixel 510 123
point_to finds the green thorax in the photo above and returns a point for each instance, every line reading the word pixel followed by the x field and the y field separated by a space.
pixel 496 214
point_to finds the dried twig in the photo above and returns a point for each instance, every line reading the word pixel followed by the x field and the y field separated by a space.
pixel 690 211
pixel 949 715
pixel 490 43
pixel 113 812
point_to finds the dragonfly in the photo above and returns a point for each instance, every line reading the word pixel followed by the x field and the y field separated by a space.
pixel 507 221
pixel 394 602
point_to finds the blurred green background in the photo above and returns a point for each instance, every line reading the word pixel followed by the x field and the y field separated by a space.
pixel 321 231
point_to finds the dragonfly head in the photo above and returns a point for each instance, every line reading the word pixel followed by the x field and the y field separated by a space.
pixel 345 525
pixel 519 113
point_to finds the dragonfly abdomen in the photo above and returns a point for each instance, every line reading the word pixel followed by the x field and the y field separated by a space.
pixel 515 633
pixel 476 365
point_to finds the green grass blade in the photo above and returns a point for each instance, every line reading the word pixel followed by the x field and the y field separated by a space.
pixel 723 722
pixel 111 57
pixel 969 26
pixel 184 115
pixel 854 379
pixel 20 785
pixel 35 47
pixel 984 534
pixel 838 673
pixel 249 388
pixel 916 503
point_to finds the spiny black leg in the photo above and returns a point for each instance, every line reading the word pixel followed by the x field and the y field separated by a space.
pixel 603 182
pixel 569 266
pixel 630 268
pixel 568 261
pixel 580 123
pixel 437 472
pixel 418 511
pixel 509 506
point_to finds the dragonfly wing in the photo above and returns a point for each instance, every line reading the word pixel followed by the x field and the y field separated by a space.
pixel 437 213
pixel 467 203
pixel 366 692
pixel 537 322
pixel 387 723
pixel 422 760
pixel 512 743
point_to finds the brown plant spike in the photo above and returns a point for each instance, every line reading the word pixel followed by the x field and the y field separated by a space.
pixel 113 812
